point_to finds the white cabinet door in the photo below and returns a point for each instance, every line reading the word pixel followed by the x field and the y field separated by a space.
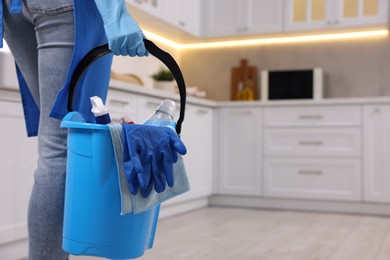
pixel 245 17
pixel 350 13
pixel 19 156
pixel 376 154
pixel 240 151
pixel 307 14
pixel 152 7
pixel 304 15
pixel 185 15
pixel 8 78
pixel 121 103
pixel 224 17
pixel 197 135
pixel 263 16
pixel 146 107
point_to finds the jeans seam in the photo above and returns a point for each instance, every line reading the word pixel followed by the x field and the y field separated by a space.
pixel 51 11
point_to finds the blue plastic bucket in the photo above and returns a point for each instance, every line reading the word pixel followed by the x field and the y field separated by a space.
pixel 92 221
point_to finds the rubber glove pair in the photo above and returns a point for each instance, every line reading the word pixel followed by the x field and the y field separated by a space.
pixel 148 156
pixel 123 33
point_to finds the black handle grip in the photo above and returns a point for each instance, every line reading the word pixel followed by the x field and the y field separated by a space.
pixel 153 49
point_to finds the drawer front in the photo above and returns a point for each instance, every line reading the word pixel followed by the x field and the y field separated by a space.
pixel 313 141
pixel 313 116
pixel 120 103
pixel 338 179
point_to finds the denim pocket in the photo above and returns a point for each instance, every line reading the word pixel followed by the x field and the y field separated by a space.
pixel 49 7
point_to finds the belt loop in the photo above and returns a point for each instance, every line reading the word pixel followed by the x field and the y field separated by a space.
pixel 1 23
pixel 16 6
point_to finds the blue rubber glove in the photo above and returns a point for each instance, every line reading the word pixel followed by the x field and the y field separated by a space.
pixel 123 33
pixel 148 154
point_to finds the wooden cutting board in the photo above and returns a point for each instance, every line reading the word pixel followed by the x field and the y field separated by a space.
pixel 243 74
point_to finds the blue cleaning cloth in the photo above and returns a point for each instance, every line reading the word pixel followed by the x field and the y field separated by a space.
pixel 137 203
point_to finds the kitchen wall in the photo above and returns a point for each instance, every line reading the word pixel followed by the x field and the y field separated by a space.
pixel 353 68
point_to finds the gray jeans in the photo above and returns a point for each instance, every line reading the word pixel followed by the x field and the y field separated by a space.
pixel 41 40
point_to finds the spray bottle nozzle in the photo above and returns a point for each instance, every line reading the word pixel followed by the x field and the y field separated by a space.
pixel 100 111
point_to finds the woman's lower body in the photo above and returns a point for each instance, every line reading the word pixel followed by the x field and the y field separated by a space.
pixel 41 39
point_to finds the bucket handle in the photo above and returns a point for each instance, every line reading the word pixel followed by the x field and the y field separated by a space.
pixel 153 49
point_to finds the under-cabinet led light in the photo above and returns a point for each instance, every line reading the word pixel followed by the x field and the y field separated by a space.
pixel 277 40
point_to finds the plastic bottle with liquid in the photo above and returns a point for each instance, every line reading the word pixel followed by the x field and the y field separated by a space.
pixel 249 89
pixel 163 115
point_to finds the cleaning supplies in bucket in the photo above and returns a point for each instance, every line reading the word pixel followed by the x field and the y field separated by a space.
pixel 93 224
pixel 92 221
pixel 148 173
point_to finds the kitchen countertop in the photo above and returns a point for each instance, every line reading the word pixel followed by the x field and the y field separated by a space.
pixel 148 91
pixel 302 102
pixel 13 95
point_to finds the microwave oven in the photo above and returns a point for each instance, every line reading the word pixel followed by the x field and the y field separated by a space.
pixel 291 84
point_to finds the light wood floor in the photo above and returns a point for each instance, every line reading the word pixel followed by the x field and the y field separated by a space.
pixel 249 234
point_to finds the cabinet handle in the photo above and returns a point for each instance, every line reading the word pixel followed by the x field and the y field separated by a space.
pixel 202 112
pixel 310 172
pixel 240 113
pixel 310 142
pixel 310 117
pixel 118 103
pixel 181 23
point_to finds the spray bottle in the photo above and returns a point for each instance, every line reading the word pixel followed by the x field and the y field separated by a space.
pixel 100 111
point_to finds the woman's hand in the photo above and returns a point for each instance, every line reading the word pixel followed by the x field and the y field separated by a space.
pixel 124 35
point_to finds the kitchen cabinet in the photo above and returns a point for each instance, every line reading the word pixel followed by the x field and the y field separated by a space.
pixel 185 15
pixel 19 156
pixel 120 104
pixel 313 152
pixel 240 152
pixel 312 178
pixel 8 78
pixel 376 153
pixel 197 135
pixel 247 17
pixel 152 7
pixel 304 15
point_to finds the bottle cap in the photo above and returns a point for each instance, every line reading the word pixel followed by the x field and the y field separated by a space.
pixel 167 106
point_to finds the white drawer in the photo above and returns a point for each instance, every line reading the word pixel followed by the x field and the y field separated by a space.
pixel 313 116
pixel 120 103
pixel 313 141
pixel 338 179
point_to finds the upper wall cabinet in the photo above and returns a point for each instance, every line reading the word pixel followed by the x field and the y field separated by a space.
pixel 302 15
pixel 153 7
pixel 186 15
pixel 243 17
